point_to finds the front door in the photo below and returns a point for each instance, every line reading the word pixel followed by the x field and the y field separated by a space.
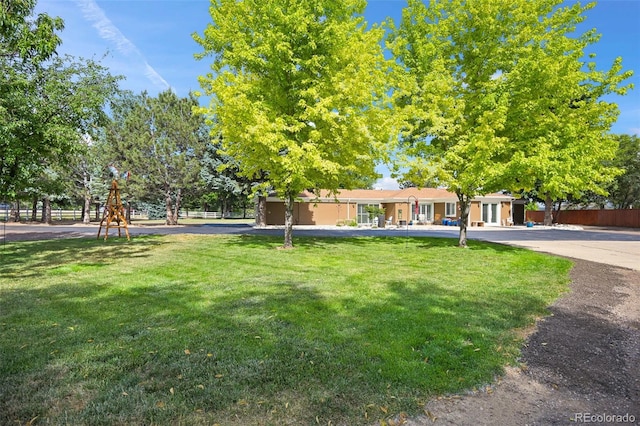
pixel 491 213
pixel 425 213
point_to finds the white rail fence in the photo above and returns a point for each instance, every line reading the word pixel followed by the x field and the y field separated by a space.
pixel 60 214
pixel 76 214
pixel 216 215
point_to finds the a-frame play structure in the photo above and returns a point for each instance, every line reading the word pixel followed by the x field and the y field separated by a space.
pixel 113 216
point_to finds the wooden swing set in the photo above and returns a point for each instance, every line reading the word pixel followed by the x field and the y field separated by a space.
pixel 114 216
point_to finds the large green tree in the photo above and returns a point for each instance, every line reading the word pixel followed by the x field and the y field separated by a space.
pixel 70 102
pixel 25 43
pixel 62 105
pixel 296 89
pixel 451 96
pixel 558 121
pixel 494 95
pixel 48 103
pixel 159 140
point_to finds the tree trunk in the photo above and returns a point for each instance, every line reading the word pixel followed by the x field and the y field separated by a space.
pixel 34 211
pixel 465 205
pixel 225 207
pixel 168 208
pixel 176 210
pixel 86 211
pixel 46 211
pixel 548 210
pixel 288 221
pixel 261 211
pixel 556 212
pixel 15 211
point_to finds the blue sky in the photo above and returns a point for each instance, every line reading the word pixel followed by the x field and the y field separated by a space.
pixel 149 41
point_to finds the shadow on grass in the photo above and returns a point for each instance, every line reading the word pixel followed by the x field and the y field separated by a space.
pixel 167 352
pixel 399 242
pixel 29 259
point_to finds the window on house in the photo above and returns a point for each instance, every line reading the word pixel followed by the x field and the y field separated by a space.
pixel 490 213
pixel 425 213
pixel 363 214
pixel 450 210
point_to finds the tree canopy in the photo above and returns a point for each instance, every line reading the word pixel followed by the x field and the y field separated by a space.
pixel 296 90
pixel 48 103
pixel 220 175
pixel 159 140
pixel 495 96
pixel 25 39
pixel 558 120
pixel 624 191
pixel 25 42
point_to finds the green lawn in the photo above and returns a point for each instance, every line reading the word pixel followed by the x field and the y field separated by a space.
pixel 230 330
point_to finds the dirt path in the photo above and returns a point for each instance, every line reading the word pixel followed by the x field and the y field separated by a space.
pixel 581 365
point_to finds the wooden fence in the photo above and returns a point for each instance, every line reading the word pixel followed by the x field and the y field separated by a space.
pixel 628 218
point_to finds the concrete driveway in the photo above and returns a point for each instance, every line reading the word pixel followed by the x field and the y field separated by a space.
pixel 618 247
pixel 609 246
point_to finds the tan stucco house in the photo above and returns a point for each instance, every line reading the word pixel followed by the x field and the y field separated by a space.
pixel 417 206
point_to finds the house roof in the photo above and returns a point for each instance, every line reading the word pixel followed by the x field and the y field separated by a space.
pixel 390 196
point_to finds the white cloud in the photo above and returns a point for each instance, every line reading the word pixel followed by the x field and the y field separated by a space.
pixel 386 183
pixel 110 33
pixel 155 77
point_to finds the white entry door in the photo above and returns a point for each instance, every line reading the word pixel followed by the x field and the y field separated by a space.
pixel 491 213
pixel 425 213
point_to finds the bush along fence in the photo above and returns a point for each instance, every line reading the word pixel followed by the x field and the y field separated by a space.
pixel 627 218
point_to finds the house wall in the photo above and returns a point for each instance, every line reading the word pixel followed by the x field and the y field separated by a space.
pixel 333 213
pixel 475 212
pixel 438 212
pixel 392 210
pixel 505 214
pixel 305 213
pixel 275 213
pixel 311 214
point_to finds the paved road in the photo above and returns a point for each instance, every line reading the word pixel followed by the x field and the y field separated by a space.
pixel 616 247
